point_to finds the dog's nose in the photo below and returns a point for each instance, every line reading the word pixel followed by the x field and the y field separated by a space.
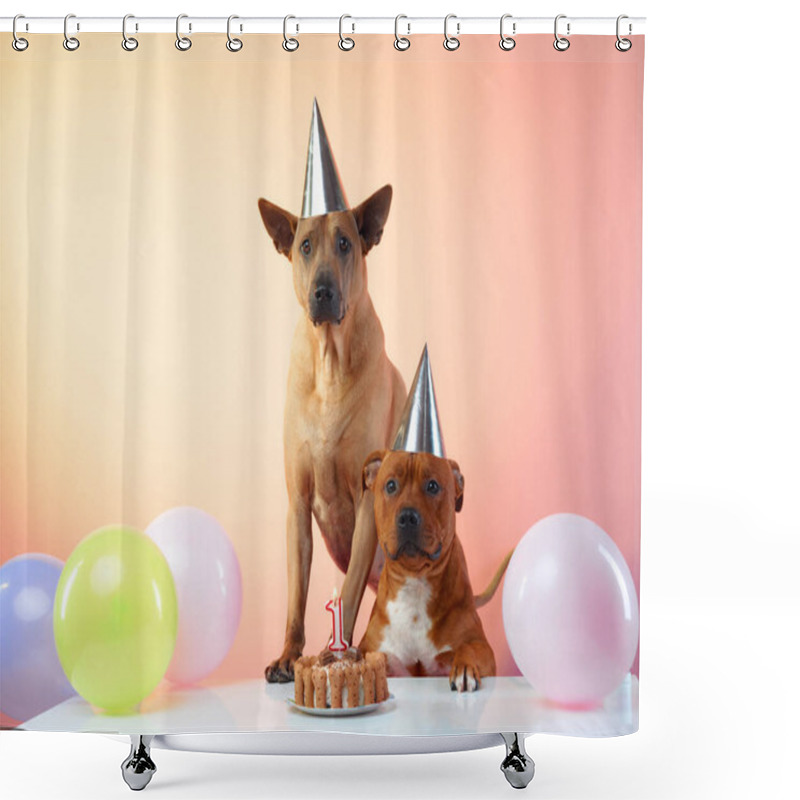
pixel 408 520
pixel 323 293
pixel 324 300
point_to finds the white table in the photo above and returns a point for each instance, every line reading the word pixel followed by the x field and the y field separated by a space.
pixel 253 717
pixel 422 707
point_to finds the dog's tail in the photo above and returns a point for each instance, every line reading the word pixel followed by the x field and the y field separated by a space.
pixel 488 593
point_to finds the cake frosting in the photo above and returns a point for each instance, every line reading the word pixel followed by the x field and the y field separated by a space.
pixel 340 680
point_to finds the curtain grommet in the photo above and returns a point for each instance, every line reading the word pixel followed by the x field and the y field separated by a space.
pixel 507 42
pixel 233 44
pixel 623 45
pixel 183 43
pixel 401 43
pixel 561 43
pixel 129 43
pixel 451 43
pixel 289 44
pixel 17 42
pixel 346 43
pixel 71 43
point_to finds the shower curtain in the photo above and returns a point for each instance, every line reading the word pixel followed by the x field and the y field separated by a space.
pixel 216 328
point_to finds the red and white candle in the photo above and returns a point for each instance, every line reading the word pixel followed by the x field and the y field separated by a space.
pixel 338 643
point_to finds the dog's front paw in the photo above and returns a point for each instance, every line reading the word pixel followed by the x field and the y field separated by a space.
pixel 464 677
pixel 281 670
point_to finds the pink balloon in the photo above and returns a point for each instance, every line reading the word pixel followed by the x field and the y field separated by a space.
pixel 208 584
pixel 570 610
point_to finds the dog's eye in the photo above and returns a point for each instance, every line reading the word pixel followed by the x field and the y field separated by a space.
pixel 306 246
pixel 432 487
pixel 391 486
pixel 344 244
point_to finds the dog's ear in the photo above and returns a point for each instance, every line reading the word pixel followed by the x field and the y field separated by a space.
pixel 371 216
pixel 459 478
pixel 370 471
pixel 280 225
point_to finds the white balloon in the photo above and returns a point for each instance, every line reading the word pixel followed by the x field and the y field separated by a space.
pixel 570 610
pixel 208 585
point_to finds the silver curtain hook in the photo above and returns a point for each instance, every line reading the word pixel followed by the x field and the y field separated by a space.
pixel 18 43
pixel 451 42
pixel 289 44
pixel 182 42
pixel 128 42
pixel 507 42
pixel 345 42
pixel 71 43
pixel 400 42
pixel 233 44
pixel 623 45
pixel 561 43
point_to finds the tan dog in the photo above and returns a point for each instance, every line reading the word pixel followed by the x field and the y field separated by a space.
pixel 344 400
pixel 425 616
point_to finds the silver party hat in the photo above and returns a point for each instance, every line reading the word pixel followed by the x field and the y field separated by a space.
pixel 323 190
pixel 419 430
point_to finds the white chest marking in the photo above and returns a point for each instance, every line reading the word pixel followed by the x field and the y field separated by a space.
pixel 406 636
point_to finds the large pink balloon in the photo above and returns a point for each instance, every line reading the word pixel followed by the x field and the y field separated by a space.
pixel 570 610
pixel 208 583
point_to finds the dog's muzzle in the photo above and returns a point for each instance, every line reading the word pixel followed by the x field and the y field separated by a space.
pixel 408 524
pixel 325 302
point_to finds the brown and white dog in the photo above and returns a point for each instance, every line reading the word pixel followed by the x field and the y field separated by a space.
pixel 344 400
pixel 425 616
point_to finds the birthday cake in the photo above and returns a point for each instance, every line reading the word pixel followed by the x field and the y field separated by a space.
pixel 340 680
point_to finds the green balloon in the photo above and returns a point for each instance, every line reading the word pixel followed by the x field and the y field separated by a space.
pixel 115 618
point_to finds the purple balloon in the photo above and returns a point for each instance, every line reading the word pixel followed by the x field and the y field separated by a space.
pixel 208 583
pixel 31 677
pixel 570 610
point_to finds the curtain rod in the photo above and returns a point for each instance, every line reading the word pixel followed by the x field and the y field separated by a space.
pixel 349 24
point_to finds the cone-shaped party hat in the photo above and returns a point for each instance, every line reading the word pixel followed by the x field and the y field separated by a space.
pixel 419 430
pixel 323 190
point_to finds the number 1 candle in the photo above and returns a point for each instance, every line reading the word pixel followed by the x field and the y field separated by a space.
pixel 338 644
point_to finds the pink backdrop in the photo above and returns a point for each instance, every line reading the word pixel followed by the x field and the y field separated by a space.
pixel 146 321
